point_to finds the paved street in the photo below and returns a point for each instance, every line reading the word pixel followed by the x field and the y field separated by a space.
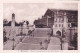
pixel 9 44
pixel 54 44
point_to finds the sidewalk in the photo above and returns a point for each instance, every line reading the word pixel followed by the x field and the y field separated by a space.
pixel 9 44
pixel 54 44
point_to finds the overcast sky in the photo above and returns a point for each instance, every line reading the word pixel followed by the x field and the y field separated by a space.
pixel 30 12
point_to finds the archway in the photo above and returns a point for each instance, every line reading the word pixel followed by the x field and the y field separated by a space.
pixel 58 33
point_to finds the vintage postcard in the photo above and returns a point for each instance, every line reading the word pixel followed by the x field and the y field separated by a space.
pixel 40 26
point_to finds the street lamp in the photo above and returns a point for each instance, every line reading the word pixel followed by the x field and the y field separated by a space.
pixel 13 43
pixel 21 30
pixel 13 34
pixel 61 39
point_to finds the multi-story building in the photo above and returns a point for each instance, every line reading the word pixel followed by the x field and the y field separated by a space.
pixel 46 21
pixel 63 22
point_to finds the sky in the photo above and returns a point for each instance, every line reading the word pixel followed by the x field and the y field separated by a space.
pixel 32 11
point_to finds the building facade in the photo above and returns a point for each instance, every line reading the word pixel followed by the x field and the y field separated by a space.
pixel 63 22
pixel 46 21
pixel 12 28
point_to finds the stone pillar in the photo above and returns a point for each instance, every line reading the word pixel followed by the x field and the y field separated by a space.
pixel 53 29
pixel 13 26
pixel 64 44
pixel 65 20
pixel 13 21
pixel 65 24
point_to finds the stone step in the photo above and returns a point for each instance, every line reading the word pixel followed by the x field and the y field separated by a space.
pixel 24 46
pixel 33 40
pixel 55 41
pixel 54 47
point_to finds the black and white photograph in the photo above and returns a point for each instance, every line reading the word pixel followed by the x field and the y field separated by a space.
pixel 40 26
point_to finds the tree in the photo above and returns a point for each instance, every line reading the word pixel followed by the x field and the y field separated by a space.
pixel 36 22
pixel 5 21
pixel 4 36
pixel 21 24
pixel 75 41
pixel 27 22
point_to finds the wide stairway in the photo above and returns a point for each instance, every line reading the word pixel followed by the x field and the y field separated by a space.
pixel 33 42
pixel 40 37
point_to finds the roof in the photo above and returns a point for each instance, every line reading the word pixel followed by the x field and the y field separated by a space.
pixel 62 9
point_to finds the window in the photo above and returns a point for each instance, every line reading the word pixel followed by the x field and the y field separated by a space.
pixel 55 25
pixel 62 19
pixel 74 24
pixel 59 19
pixel 62 25
pixel 68 25
pixel 59 25
pixel 55 19
pixel 72 19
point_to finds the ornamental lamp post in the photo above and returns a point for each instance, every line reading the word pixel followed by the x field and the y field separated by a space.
pixel 13 34
pixel 61 38
pixel 21 30
pixel 13 43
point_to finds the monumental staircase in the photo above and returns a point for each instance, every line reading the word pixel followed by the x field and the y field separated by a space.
pixel 40 35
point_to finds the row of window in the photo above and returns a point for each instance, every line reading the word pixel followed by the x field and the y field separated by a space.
pixel 70 19
pixel 61 25
pixel 69 25
pixel 59 19
pixel 58 25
